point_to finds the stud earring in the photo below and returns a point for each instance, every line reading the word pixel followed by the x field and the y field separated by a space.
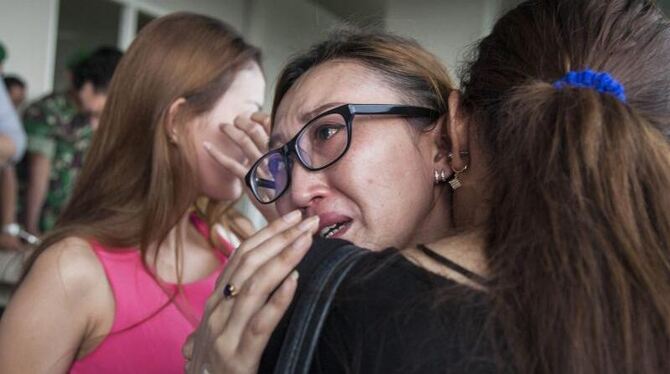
pixel 440 176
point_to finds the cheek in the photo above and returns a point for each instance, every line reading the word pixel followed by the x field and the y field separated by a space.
pixel 284 205
pixel 389 184
pixel 389 165
pixel 214 180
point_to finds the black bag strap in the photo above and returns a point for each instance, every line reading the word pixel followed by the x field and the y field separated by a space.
pixel 311 310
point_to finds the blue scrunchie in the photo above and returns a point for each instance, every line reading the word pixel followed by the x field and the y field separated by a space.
pixel 601 82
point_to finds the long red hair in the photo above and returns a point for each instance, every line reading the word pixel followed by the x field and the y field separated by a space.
pixel 135 186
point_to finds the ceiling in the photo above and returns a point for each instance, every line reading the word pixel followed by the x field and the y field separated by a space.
pixel 361 11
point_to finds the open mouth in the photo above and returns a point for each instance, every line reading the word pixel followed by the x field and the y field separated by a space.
pixel 335 230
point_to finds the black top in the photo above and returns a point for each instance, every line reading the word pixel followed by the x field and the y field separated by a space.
pixel 391 316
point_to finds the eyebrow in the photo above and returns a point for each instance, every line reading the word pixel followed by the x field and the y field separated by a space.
pixel 304 118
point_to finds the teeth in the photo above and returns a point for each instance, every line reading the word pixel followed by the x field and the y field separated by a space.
pixel 327 230
pixel 330 230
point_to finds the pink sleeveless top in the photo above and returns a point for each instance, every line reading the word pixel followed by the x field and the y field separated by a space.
pixel 148 329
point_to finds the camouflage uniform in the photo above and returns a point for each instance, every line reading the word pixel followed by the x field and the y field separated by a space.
pixel 57 130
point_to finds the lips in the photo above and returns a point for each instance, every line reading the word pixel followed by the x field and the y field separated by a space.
pixel 332 225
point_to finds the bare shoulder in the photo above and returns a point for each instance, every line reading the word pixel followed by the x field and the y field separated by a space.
pixel 64 298
pixel 72 263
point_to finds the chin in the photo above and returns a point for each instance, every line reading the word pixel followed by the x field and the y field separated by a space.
pixel 363 243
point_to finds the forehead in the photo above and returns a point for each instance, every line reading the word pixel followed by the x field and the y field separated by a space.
pixel 326 86
pixel 249 82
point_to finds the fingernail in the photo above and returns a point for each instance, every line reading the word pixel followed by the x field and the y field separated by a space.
pixel 294 275
pixel 207 145
pixel 292 217
pixel 309 223
pixel 219 230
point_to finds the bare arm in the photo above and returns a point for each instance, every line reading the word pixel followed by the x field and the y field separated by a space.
pixel 8 192
pixel 52 313
pixel 7 149
pixel 38 185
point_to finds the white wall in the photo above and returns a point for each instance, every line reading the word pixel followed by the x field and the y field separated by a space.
pixel 283 28
pixel 231 11
pixel 446 28
pixel 28 30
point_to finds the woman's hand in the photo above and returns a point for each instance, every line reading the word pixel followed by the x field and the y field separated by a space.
pixel 250 298
pixel 251 135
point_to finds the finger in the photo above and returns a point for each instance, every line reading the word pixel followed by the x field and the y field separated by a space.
pixel 258 288
pixel 262 118
pixel 260 328
pixel 274 228
pixel 255 131
pixel 289 246
pixel 229 163
pixel 243 140
pixel 248 262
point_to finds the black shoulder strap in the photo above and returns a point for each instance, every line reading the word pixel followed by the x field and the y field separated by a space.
pixel 311 310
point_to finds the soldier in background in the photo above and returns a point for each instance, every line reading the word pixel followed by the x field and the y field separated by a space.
pixel 59 128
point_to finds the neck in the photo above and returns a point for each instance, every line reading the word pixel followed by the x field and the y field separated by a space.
pixel 465 243
pixel 466 249
pixel 184 237
pixel 438 222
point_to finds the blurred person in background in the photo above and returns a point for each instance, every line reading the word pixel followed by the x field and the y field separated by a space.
pixel 9 235
pixel 12 136
pixel 12 146
pixel 16 87
pixel 59 128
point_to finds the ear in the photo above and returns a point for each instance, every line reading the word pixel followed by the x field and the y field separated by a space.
pixel 440 139
pixel 457 132
pixel 171 123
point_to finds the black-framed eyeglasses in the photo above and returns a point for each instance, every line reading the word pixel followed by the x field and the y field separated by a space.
pixel 320 143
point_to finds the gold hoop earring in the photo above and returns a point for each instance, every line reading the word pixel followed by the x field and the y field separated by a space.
pixel 454 180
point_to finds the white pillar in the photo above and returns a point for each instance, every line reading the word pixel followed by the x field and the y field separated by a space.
pixel 127 25
pixel 52 40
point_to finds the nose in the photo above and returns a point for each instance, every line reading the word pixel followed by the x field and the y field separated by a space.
pixel 307 188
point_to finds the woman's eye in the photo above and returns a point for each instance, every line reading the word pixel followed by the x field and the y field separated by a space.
pixel 326 132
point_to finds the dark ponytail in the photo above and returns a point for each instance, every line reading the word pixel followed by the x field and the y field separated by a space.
pixel 579 231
